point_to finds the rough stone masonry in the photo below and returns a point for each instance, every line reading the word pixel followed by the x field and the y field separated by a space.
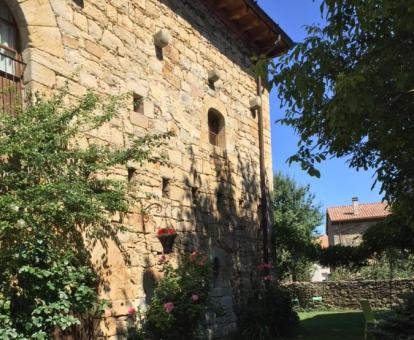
pixel 213 191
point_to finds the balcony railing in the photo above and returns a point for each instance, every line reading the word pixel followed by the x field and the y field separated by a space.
pixel 11 76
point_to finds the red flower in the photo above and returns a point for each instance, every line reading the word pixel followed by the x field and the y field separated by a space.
pixel 264 266
pixel 166 231
pixel 168 307
pixel 131 310
pixel 193 255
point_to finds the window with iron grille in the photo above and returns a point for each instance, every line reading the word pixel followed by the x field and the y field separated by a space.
pixel 216 128
pixel 11 65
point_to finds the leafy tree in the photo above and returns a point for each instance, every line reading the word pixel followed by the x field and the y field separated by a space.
pixel 295 218
pixel 348 92
pixel 56 197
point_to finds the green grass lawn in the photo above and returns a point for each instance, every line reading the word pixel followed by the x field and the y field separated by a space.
pixel 331 325
pixel 334 325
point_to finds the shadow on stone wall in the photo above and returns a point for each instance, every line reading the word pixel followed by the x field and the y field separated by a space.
pixel 225 227
pixel 218 216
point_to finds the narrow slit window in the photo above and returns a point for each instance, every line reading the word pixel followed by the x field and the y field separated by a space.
pixel 131 174
pixel 216 272
pixel 166 187
pixel 194 195
pixel 216 128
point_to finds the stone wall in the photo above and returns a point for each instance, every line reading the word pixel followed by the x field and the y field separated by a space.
pixel 347 294
pixel 108 46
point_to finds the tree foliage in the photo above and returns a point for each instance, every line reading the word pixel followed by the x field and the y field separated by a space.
pixel 55 202
pixel 296 215
pixel 348 90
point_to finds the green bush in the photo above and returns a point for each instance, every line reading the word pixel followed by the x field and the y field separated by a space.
pixel 268 314
pixel 399 325
pixel 391 264
pixel 180 300
pixel 54 207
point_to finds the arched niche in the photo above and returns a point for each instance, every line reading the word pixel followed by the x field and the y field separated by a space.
pixel 216 128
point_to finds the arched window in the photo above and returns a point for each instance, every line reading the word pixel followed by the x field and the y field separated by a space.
pixel 216 127
pixel 11 66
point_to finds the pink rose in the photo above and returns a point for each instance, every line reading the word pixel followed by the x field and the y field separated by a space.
pixel 131 310
pixel 193 256
pixel 194 297
pixel 264 266
pixel 169 306
pixel 162 259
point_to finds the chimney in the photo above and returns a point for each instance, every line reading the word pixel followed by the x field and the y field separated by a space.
pixel 355 205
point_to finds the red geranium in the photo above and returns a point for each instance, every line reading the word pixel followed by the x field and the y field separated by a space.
pixel 166 231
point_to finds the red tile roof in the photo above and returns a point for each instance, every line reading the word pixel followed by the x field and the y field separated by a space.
pixel 367 211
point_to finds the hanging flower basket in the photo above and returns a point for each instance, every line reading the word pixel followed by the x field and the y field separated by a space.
pixel 167 237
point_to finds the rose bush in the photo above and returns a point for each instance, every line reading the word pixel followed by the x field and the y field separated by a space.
pixel 180 300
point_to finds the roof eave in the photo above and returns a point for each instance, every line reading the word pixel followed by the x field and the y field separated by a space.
pixel 368 219
pixel 262 14
pixel 260 33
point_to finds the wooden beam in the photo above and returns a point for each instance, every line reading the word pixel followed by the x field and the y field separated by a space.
pixel 223 3
pixel 239 13
pixel 258 31
pixel 233 25
pixel 249 27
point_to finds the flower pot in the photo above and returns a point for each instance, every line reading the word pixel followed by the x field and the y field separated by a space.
pixel 167 242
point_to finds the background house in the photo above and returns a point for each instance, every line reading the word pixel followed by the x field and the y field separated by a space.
pixel 345 225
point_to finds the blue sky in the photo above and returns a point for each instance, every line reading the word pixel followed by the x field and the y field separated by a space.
pixel 338 183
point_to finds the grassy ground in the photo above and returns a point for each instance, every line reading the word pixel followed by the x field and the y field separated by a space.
pixel 333 325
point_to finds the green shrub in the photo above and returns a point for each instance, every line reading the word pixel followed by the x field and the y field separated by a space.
pixel 268 314
pixel 399 325
pixel 54 207
pixel 392 264
pixel 180 300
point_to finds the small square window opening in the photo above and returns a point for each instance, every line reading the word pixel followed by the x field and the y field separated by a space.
pixel 166 187
pixel 138 103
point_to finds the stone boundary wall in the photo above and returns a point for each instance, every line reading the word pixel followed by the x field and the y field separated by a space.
pixel 347 294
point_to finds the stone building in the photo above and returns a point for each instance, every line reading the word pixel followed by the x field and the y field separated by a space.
pixel 345 225
pixel 187 64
